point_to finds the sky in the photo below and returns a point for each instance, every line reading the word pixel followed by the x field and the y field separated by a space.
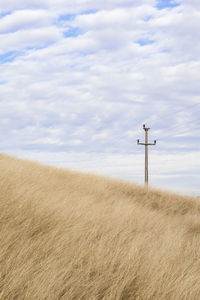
pixel 78 79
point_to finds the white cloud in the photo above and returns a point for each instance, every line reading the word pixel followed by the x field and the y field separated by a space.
pixel 26 19
pixel 115 18
pixel 177 32
pixel 70 6
pixel 20 40
pixel 192 3
pixel 10 5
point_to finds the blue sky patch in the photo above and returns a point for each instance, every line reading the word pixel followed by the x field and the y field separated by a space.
pixel 5 13
pixel 3 82
pixel 35 48
pixel 72 32
pixel 70 17
pixel 148 18
pixel 161 4
pixel 144 42
pixel 8 56
pixel 67 17
pixel 89 11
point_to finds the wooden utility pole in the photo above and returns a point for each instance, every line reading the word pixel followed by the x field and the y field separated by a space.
pixel 146 144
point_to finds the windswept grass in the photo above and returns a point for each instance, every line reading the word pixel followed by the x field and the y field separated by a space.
pixel 73 236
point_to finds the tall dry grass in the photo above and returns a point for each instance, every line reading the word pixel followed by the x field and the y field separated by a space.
pixel 66 235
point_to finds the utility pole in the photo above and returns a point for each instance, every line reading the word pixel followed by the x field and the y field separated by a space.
pixel 146 144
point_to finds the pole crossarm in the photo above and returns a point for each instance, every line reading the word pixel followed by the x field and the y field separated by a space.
pixel 151 144
pixel 146 144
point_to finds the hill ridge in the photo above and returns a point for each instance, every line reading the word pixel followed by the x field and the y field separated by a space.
pixel 69 235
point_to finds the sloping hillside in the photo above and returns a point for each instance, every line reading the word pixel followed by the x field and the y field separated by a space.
pixel 66 235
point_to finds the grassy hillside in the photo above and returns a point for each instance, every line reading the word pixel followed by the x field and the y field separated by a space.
pixel 66 235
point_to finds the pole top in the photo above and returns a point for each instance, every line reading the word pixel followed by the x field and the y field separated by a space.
pixel 145 128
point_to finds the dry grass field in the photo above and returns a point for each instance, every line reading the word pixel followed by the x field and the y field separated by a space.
pixel 73 236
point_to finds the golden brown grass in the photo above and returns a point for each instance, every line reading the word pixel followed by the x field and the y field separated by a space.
pixel 67 235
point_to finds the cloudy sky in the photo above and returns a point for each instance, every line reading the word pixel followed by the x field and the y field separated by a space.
pixel 78 78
